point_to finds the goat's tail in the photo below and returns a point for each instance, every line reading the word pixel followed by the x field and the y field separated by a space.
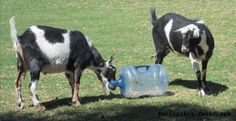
pixel 153 15
pixel 13 32
pixel 16 44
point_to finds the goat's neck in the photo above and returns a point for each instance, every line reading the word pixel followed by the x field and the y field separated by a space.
pixel 98 64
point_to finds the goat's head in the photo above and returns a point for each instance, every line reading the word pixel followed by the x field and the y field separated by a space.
pixel 186 41
pixel 188 38
pixel 107 71
pixel 110 71
pixel 189 33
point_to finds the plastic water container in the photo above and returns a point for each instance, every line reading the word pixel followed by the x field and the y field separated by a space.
pixel 144 80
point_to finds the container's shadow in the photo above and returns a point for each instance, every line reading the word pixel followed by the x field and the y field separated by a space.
pixel 214 88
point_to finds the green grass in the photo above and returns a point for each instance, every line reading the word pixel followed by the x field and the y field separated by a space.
pixel 121 27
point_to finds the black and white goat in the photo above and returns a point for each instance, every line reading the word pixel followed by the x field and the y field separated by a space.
pixel 192 38
pixel 52 50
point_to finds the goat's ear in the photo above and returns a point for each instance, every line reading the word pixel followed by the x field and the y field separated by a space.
pixel 112 58
pixel 192 34
pixel 196 33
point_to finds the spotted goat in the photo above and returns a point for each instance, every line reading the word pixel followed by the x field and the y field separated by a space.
pixel 53 50
pixel 191 38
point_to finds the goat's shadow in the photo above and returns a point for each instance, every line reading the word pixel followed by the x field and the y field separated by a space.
pixel 49 105
pixel 214 88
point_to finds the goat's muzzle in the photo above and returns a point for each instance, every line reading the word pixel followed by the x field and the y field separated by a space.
pixel 184 49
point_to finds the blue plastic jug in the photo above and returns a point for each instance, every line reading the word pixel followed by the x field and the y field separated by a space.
pixel 144 80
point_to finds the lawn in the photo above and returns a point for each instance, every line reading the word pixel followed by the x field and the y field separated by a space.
pixel 122 27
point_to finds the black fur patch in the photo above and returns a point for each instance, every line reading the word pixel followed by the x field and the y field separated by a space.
pixel 99 71
pixel 200 51
pixel 53 35
pixel 80 53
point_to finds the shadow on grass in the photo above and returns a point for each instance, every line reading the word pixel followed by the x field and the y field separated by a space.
pixel 87 99
pixel 214 88
pixel 125 112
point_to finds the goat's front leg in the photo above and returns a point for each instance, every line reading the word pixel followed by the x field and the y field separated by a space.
pixel 104 82
pixel 195 65
pixel 204 69
pixel 71 80
pixel 75 90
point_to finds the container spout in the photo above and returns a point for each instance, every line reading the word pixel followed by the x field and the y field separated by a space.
pixel 113 84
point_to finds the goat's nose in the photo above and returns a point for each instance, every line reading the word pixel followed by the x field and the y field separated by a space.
pixel 184 49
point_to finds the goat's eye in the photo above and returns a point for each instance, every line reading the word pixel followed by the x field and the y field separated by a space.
pixel 101 64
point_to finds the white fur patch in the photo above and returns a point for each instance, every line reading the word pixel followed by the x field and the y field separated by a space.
pixel 18 95
pixel 89 41
pixel 33 87
pixel 56 53
pixel 190 27
pixel 167 32
pixel 201 92
pixel 104 80
pixel 183 47
pixel 200 22
pixel 105 84
pixel 194 62
pixel 203 44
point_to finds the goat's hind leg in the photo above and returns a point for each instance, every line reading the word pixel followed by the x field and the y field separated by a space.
pixel 70 78
pixel 18 86
pixel 161 53
pixel 18 83
pixel 35 67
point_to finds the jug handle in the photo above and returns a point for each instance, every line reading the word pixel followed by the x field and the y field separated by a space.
pixel 142 66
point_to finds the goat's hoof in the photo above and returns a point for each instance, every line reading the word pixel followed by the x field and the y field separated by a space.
pixel 40 107
pixel 76 104
pixel 20 105
pixel 201 93
pixel 107 92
